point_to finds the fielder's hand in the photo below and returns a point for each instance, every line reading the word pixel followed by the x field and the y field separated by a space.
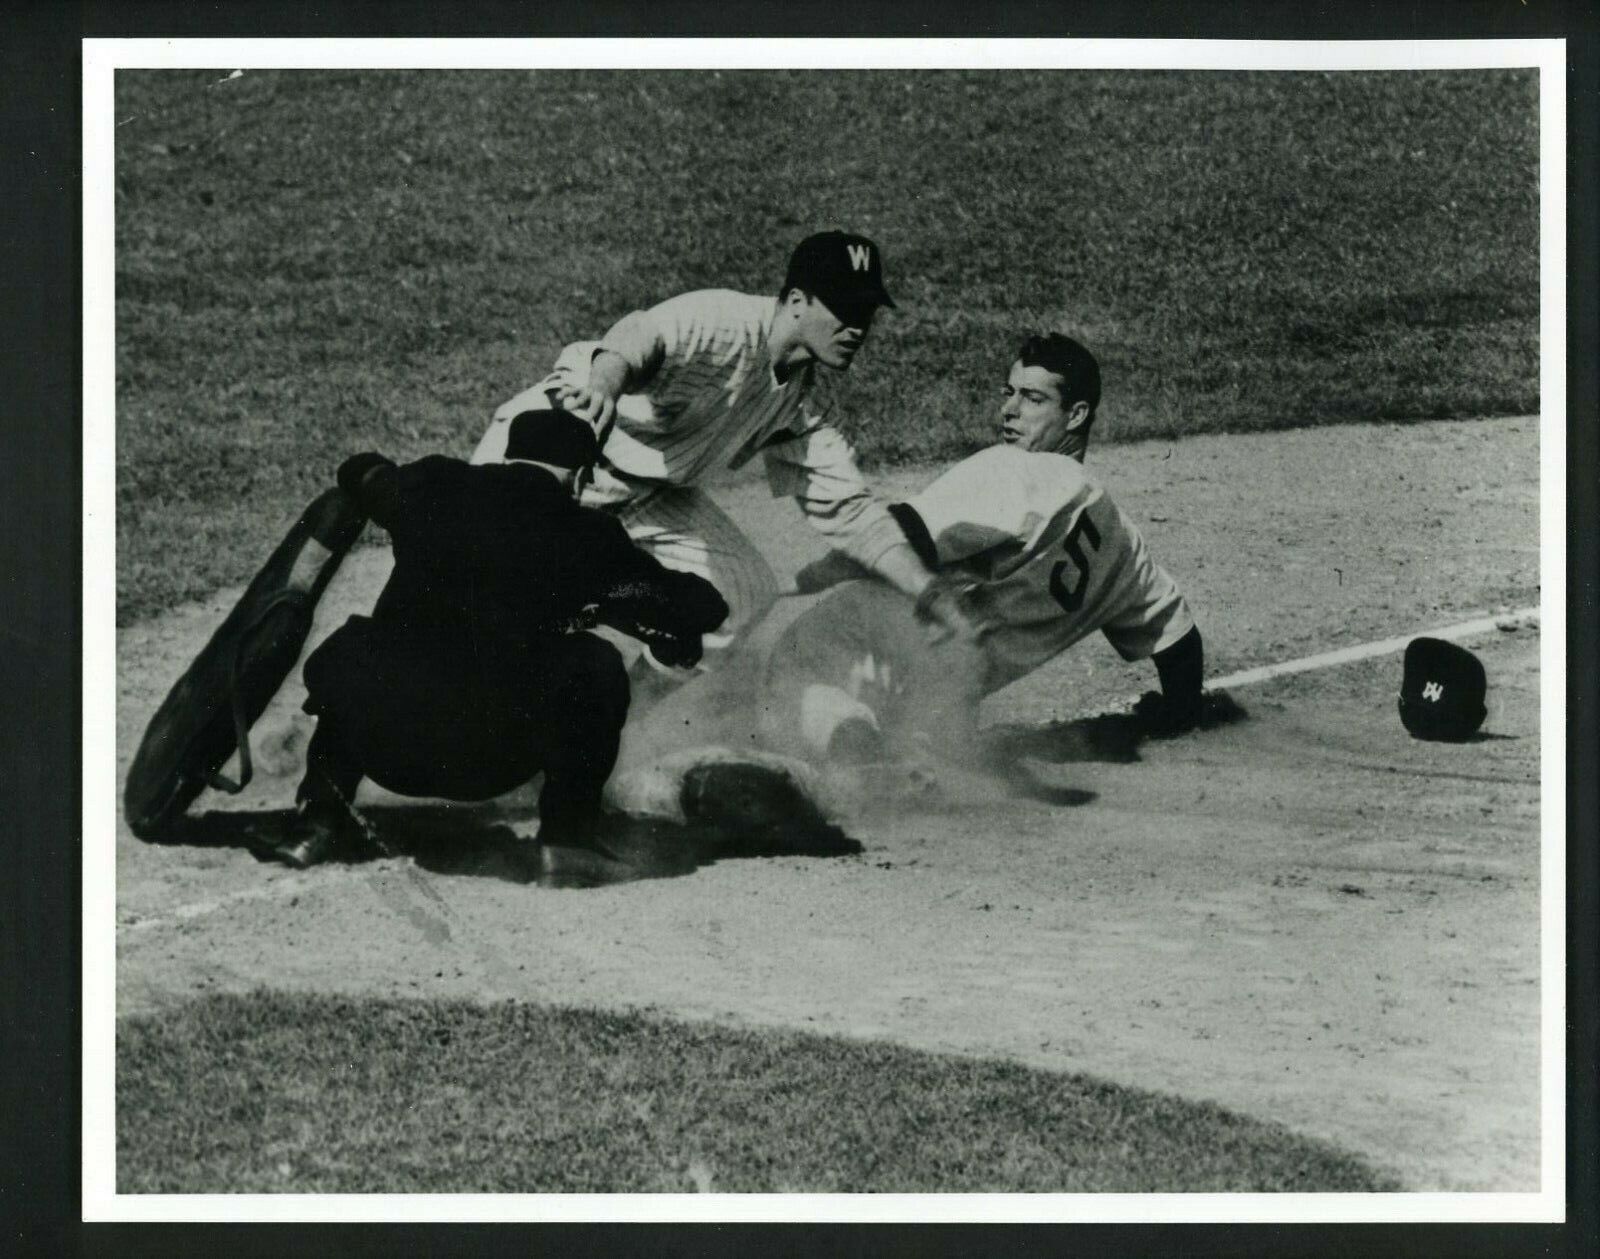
pixel 594 405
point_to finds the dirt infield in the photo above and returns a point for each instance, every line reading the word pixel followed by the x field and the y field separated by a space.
pixel 1306 916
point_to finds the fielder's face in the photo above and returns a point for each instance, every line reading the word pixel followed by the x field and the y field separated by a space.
pixel 832 337
pixel 1032 414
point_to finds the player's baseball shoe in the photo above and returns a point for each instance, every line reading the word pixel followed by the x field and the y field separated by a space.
pixel 575 865
pixel 325 832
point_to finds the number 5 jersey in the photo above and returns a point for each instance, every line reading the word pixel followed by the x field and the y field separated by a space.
pixel 1047 558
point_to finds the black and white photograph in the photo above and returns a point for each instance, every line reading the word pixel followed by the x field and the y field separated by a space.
pixel 815 630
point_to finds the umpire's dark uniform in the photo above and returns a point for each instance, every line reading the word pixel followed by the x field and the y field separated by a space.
pixel 473 673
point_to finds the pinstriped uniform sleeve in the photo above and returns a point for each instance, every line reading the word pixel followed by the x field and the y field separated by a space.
pixel 644 337
pixel 676 331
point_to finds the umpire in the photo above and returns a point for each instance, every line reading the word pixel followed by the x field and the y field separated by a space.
pixel 474 671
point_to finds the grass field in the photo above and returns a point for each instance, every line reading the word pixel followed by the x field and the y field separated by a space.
pixel 313 263
pixel 271 1093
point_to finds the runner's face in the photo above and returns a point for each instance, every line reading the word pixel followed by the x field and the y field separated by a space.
pixel 1032 415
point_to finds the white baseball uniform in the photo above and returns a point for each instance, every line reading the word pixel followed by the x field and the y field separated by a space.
pixel 1046 558
pixel 1039 555
pixel 710 401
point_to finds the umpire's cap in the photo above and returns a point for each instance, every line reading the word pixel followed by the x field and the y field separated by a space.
pixel 1441 696
pixel 554 437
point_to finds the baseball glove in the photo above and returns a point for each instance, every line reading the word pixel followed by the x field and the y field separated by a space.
pixel 667 613
pixel 675 650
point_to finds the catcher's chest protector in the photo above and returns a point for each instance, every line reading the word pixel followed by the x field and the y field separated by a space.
pixel 210 709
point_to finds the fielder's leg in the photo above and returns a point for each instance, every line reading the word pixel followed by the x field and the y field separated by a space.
pixel 685 530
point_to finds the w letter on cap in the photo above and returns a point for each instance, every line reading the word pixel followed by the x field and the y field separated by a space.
pixel 860 257
pixel 1442 692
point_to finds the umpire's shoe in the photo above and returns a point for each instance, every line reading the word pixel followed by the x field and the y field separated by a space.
pixel 577 858
pixel 322 832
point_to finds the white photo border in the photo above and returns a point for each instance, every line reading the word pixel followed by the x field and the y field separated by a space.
pixel 101 58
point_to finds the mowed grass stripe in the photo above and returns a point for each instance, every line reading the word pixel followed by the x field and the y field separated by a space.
pixel 312 263
pixel 289 1093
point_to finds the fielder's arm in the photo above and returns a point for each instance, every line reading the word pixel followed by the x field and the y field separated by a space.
pixel 610 373
pixel 884 549
pixel 596 401
pixel 630 354
pixel 896 551
pixel 871 539
pixel 818 468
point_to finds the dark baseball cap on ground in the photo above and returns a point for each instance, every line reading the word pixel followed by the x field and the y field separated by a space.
pixel 841 268
pixel 1441 695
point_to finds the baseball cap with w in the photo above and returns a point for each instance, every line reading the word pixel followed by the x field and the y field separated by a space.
pixel 1441 694
pixel 842 268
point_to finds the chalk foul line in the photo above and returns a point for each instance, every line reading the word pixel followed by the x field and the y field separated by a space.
pixel 1382 647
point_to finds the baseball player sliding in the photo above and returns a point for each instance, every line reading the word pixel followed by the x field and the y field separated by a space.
pixel 708 380
pixel 1025 550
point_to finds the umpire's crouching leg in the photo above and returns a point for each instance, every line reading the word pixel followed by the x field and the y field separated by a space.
pixel 585 710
